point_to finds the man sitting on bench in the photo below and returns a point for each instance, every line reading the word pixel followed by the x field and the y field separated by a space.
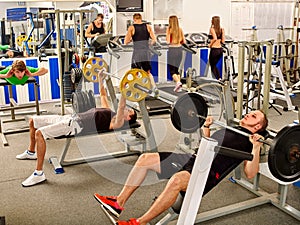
pixel 95 120
pixel 178 167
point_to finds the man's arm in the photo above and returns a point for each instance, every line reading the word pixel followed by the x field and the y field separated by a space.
pixel 152 35
pixel 251 168
pixel 103 96
pixel 89 30
pixel 128 36
pixel 41 71
pixel 119 119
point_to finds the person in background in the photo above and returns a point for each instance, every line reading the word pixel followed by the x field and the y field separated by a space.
pixel 96 27
pixel 217 38
pixel 140 33
pixel 18 72
pixel 175 38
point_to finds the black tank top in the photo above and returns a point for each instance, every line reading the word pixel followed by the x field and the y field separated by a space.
pixel 97 30
pixel 218 37
pixel 141 37
pixel 96 119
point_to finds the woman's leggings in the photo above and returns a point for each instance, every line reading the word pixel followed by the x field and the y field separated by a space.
pixel 214 56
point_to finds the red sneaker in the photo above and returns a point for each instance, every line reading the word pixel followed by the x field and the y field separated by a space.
pixel 131 221
pixel 109 203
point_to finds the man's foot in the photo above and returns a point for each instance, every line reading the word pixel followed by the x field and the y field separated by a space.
pixel 27 155
pixel 34 179
pixel 110 203
pixel 131 221
pixel 178 87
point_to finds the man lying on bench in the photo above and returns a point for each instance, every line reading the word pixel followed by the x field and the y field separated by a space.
pixel 178 167
pixel 95 120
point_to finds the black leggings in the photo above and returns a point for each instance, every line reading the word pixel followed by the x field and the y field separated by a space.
pixel 214 56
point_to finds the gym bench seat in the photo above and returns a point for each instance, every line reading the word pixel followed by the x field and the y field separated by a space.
pixel 133 139
pixel 13 105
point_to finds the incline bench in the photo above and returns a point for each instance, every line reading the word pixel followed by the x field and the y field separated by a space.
pixel 130 140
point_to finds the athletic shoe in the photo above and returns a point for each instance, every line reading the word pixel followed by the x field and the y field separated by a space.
pixel 34 179
pixel 178 87
pixel 110 203
pixel 27 155
pixel 131 221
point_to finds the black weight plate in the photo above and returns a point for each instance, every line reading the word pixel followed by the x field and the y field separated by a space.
pixel 184 111
pixel 282 160
pixel 86 103
pixel 92 99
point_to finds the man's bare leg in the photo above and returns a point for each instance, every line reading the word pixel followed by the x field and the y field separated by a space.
pixel 40 149
pixel 146 162
pixel 167 198
pixel 32 131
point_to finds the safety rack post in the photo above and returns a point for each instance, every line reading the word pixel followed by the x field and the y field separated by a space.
pixel 267 73
pixel 57 13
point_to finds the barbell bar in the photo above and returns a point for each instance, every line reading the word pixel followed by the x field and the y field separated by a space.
pixel 189 112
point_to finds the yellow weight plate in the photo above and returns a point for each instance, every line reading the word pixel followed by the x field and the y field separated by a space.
pixel 127 85
pixel 91 68
pixel 20 39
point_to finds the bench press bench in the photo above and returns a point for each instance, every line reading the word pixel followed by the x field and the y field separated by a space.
pixel 13 106
pixel 132 139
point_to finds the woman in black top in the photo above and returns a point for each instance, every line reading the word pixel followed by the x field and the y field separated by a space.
pixel 217 38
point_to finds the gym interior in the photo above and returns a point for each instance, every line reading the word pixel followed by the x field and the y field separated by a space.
pixel 259 70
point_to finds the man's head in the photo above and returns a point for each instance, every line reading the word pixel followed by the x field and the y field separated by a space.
pixel 99 18
pixel 255 121
pixel 137 16
pixel 130 115
pixel 19 68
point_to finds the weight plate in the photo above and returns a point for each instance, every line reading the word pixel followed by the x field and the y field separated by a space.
pixel 92 99
pixel 283 159
pixel 86 103
pixel 77 102
pixel 185 110
pixel 132 77
pixel 91 68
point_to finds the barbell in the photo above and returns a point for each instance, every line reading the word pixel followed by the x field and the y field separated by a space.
pixel 189 112
pixel 135 85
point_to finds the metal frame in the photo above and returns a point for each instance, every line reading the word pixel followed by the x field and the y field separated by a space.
pixel 15 106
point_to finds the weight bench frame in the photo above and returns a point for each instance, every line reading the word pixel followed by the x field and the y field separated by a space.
pixel 58 163
pixel 15 106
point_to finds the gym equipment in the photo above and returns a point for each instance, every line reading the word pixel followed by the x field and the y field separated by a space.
pixel 13 106
pixel 83 101
pixel 189 113
pixel 91 68
pixel 135 85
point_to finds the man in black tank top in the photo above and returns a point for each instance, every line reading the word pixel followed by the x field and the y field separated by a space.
pixel 95 120
pixel 95 29
pixel 140 33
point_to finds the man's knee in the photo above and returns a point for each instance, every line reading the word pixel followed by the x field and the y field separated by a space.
pixel 38 135
pixel 31 123
pixel 148 159
pixel 180 180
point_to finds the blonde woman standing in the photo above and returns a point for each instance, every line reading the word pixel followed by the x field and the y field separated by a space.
pixel 217 38
pixel 175 38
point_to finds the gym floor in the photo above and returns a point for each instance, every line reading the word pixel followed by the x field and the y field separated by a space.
pixel 68 198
